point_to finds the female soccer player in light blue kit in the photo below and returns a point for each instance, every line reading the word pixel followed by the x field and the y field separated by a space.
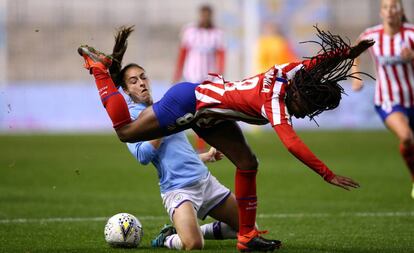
pixel 188 190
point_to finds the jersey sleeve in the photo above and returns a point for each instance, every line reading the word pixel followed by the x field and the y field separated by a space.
pixel 144 152
pixel 289 70
pixel 297 148
pixel 274 109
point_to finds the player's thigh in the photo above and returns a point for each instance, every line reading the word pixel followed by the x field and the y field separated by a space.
pixel 228 138
pixel 398 123
pixel 186 224
pixel 227 212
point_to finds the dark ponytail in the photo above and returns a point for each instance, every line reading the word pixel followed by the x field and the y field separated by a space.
pixel 120 47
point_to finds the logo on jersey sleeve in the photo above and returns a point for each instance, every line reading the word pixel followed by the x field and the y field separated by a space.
pixel 268 80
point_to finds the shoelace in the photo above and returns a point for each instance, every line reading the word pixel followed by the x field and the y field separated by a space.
pixel 261 232
pixel 255 233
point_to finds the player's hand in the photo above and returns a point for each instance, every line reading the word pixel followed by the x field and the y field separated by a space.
pixel 357 85
pixel 360 48
pixel 212 155
pixel 215 155
pixel 344 182
pixel 407 54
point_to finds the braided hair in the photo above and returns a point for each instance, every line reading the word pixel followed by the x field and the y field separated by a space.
pixel 120 47
pixel 318 85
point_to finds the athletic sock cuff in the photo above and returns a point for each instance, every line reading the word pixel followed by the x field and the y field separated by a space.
pixel 252 171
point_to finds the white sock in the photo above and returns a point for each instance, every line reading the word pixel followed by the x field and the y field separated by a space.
pixel 173 242
pixel 217 231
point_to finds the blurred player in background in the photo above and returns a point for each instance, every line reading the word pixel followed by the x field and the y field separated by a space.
pixel 211 108
pixel 393 54
pixel 201 51
pixel 188 189
pixel 273 48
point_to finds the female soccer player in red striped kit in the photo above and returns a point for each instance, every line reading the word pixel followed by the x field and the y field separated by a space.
pixel 211 108
pixel 393 54
pixel 202 51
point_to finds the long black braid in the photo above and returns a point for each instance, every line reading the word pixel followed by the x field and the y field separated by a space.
pixel 120 47
pixel 318 84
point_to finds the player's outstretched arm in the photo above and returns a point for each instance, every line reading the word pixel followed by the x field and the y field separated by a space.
pixel 296 147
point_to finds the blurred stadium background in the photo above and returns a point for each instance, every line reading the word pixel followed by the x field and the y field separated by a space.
pixel 44 88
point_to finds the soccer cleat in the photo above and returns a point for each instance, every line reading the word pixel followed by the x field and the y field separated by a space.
pixel 166 231
pixel 94 58
pixel 252 241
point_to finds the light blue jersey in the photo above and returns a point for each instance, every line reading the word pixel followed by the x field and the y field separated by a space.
pixel 177 163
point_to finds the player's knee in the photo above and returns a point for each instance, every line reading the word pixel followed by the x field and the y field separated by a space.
pixel 407 139
pixel 250 163
pixel 193 244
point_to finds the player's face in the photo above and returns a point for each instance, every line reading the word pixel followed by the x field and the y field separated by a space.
pixel 206 18
pixel 137 85
pixel 391 12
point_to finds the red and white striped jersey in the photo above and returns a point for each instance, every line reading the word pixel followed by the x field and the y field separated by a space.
pixel 201 46
pixel 257 100
pixel 395 78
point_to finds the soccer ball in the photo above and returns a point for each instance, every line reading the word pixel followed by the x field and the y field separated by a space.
pixel 123 230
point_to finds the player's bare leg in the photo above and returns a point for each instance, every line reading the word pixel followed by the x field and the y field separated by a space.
pixel 188 229
pixel 228 138
pixel 227 212
pixel 398 123
pixel 186 233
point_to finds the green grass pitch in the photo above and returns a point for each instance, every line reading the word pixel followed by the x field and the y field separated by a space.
pixel 57 190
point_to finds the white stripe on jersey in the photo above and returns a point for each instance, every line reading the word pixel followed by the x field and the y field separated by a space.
pixel 206 99
pixel 398 73
pixel 293 71
pixel 276 110
pixel 213 88
pixel 389 76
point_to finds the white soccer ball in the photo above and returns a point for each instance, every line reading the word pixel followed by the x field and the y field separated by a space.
pixel 123 230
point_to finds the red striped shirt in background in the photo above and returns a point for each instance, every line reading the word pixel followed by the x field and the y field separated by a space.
pixel 395 78
pixel 201 51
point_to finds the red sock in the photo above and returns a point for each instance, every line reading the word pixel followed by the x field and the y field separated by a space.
pixel 112 100
pixel 245 189
pixel 408 155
